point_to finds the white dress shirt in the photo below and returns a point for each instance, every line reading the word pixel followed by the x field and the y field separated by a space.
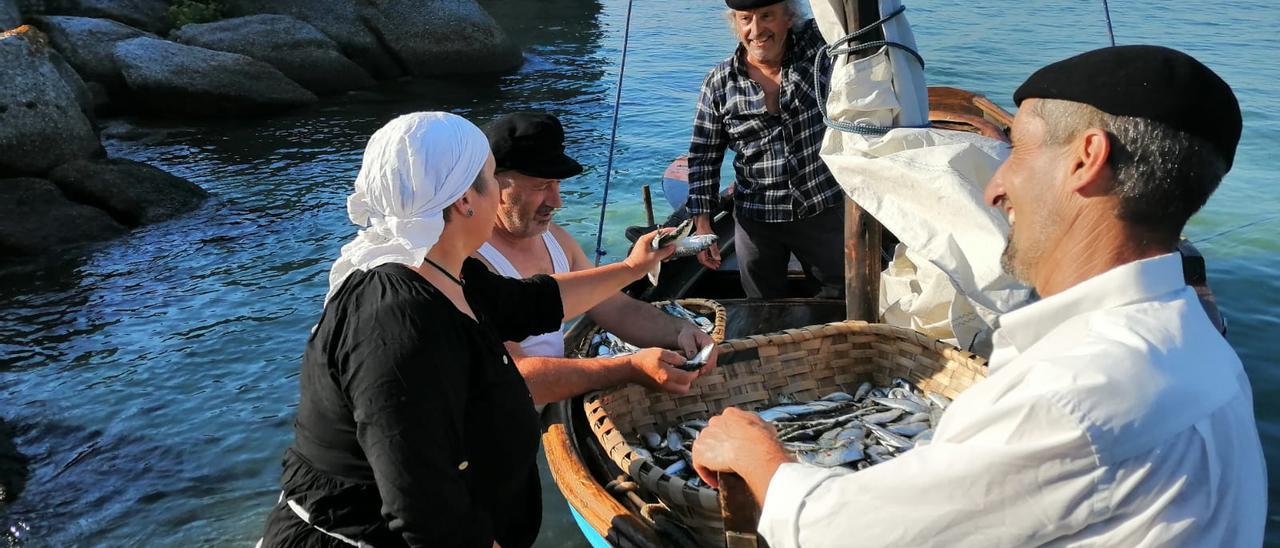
pixel 1114 414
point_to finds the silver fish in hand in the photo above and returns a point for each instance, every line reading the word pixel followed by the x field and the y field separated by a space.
pixel 685 244
pixel 699 360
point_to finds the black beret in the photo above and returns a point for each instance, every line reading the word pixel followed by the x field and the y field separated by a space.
pixel 749 4
pixel 531 143
pixel 1152 82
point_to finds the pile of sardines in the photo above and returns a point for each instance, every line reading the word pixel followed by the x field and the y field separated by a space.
pixel 870 426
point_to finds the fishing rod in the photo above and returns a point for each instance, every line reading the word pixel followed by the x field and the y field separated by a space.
pixel 1238 228
pixel 613 135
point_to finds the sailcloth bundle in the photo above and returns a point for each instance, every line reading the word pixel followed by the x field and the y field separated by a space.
pixel 923 184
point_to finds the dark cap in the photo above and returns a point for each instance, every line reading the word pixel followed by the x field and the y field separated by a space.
pixel 1152 82
pixel 531 143
pixel 749 4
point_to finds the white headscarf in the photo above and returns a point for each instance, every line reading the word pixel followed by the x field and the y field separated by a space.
pixel 413 169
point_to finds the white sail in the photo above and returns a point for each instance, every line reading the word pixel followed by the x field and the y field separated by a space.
pixel 923 184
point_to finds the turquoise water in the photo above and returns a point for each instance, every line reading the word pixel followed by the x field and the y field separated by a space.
pixel 151 379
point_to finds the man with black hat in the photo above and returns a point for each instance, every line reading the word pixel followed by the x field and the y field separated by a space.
pixel 761 103
pixel 1114 413
pixel 529 151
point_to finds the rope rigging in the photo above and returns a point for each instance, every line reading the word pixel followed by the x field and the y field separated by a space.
pixel 613 135
pixel 1106 10
pixel 1237 228
pixel 838 48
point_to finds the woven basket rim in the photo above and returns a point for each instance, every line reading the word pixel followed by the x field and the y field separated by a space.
pixel 811 332
pixel 716 309
pixel 702 503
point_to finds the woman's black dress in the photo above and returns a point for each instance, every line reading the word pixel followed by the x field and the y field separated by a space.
pixel 415 428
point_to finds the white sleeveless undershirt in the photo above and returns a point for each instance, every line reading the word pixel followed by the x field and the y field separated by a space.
pixel 547 344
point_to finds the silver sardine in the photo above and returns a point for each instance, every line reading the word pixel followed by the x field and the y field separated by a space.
pixel 903 404
pixel 692 245
pixel 675 468
pixel 909 429
pixel 652 440
pixel 889 438
pixel 837 456
pixel 918 417
pixel 939 400
pixel 674 442
pixel 838 397
pixel 881 418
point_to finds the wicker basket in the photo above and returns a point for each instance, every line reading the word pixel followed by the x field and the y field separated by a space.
pixel 808 363
pixel 706 308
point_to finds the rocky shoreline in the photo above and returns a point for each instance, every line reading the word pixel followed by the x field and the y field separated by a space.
pixel 68 62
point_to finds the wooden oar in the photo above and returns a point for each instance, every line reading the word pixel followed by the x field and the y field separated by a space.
pixel 740 513
pixel 862 289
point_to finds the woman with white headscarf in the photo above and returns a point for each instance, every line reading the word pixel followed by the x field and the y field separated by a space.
pixel 414 427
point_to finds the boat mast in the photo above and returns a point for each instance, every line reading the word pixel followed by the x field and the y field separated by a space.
pixel 862 267
pixel 862 263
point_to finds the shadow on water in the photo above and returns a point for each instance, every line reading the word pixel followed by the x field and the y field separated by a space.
pixel 13 467
pixel 109 483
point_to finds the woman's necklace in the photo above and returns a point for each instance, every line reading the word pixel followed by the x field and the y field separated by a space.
pixel 445 272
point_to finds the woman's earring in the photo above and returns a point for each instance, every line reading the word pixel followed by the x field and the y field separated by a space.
pixel 470 212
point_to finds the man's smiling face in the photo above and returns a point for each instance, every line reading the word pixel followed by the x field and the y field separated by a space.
pixel 763 32
pixel 1028 187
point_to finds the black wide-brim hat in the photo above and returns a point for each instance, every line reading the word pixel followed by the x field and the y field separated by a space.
pixel 531 143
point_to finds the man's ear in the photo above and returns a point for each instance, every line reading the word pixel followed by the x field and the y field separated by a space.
pixel 501 186
pixel 1089 173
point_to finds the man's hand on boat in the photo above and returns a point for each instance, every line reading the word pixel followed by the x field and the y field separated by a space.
pixel 739 442
pixel 709 258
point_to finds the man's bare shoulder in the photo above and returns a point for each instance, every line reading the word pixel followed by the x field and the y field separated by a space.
pixel 577 257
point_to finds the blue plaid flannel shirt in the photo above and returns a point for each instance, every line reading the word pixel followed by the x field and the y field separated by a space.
pixel 779 176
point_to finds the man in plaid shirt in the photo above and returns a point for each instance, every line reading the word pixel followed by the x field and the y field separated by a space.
pixel 761 102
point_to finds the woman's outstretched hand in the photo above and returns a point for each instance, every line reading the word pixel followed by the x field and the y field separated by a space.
pixel 643 256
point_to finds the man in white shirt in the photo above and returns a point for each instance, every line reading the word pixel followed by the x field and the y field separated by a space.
pixel 529 150
pixel 1114 414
